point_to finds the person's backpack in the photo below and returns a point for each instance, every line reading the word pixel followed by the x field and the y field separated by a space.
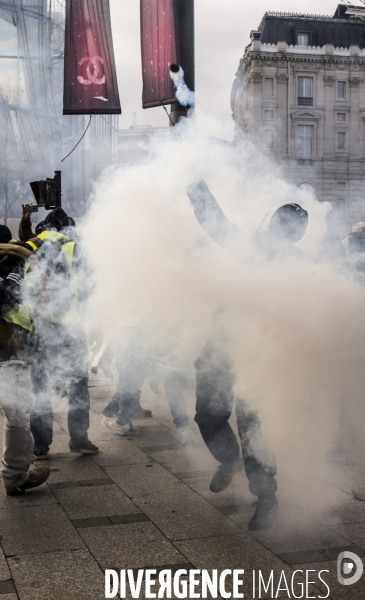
pixel 12 272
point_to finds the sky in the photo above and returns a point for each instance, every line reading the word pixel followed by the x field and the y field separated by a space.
pixel 222 31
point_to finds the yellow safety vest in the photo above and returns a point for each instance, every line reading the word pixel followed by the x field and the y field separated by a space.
pixel 22 315
pixel 68 248
pixel 29 243
pixel 32 245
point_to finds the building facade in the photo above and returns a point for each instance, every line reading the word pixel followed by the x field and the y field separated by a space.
pixel 300 94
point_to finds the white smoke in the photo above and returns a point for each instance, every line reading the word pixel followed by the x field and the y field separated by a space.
pixel 294 327
pixel 183 94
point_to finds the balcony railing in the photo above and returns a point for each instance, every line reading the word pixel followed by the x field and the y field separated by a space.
pixel 305 162
pixel 302 101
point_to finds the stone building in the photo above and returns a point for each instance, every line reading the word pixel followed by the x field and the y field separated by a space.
pixel 300 93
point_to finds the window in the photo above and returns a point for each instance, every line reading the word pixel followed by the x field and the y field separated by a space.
pixel 269 114
pixel 341 186
pixel 341 117
pixel 341 90
pixel 341 140
pixel 307 187
pixel 269 139
pixel 305 91
pixel 304 141
pixel 269 87
pixel 303 39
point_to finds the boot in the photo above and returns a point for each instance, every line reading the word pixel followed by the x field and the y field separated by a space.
pixel 35 478
pixel 266 508
pixel 223 477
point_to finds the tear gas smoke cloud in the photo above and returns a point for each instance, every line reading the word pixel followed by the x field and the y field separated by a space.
pixel 294 327
pixel 185 96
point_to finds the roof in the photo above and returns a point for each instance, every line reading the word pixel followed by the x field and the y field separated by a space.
pixel 343 30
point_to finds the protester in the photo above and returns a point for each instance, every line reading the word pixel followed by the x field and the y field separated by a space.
pixel 215 366
pixel 355 241
pixel 64 357
pixel 25 321
pixel 138 358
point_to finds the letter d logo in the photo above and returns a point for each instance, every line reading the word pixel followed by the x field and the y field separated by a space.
pixel 346 565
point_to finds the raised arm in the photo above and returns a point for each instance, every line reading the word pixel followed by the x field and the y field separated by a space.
pixel 210 215
pixel 25 227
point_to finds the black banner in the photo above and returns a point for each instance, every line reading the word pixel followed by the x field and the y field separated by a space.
pixel 90 85
pixel 167 37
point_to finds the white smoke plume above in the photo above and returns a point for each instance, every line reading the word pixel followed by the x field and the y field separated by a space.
pixel 295 327
pixel 185 96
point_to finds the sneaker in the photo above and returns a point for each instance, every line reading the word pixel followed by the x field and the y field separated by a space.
pixel 86 448
pixel 137 412
pixel 35 478
pixel 223 477
pixel 39 455
pixel 266 508
pixel 117 427
pixel 187 437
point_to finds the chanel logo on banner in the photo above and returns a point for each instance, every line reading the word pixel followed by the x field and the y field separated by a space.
pixel 90 85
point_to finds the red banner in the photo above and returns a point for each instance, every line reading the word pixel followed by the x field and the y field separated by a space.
pixel 90 85
pixel 167 37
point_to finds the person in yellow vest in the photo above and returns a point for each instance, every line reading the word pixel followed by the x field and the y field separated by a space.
pixel 355 241
pixel 65 356
pixel 25 321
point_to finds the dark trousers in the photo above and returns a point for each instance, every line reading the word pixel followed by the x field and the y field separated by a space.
pixel 214 404
pixel 138 360
pixel 62 360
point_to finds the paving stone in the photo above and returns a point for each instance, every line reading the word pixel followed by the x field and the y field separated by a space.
pixel 124 519
pixel 179 459
pixel 83 503
pixel 7 587
pixel 177 510
pixel 353 532
pixel 74 469
pixel 235 509
pixel 95 522
pixel 37 529
pixel 63 485
pixel 4 571
pixel 130 546
pixel 146 438
pixel 9 597
pixel 346 509
pixel 237 494
pixel 306 556
pixel 41 496
pixel 156 451
pixel 236 552
pixel 293 531
pixel 139 480
pixel 61 576
pixel 337 591
pixel 184 475
pixel 106 521
pixel 350 478
pixel 118 451
pixel 333 553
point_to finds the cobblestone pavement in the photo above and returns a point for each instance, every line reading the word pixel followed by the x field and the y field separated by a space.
pixel 144 502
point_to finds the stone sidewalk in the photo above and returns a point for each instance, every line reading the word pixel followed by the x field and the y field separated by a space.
pixel 144 502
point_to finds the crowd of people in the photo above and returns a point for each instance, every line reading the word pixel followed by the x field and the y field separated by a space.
pixel 45 282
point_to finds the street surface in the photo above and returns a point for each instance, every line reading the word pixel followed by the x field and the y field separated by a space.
pixel 144 502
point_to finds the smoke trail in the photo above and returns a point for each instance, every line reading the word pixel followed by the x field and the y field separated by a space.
pixel 185 96
pixel 294 327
